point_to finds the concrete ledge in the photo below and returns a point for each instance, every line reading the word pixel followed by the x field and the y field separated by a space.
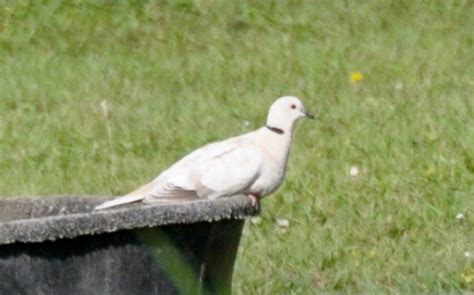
pixel 38 219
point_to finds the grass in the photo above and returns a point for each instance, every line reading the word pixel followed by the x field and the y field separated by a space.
pixel 98 97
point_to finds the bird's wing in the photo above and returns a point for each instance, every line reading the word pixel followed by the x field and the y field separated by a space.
pixel 222 168
pixel 232 172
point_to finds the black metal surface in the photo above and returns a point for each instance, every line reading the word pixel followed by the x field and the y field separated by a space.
pixel 172 259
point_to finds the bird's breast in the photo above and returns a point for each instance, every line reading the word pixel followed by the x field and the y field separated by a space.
pixel 270 179
pixel 275 151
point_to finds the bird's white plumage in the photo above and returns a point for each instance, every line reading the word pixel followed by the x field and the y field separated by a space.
pixel 253 163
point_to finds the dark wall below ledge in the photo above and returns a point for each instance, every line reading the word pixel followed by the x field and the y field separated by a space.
pixel 173 259
pixel 57 245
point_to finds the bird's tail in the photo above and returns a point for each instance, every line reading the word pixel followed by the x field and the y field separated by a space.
pixel 120 201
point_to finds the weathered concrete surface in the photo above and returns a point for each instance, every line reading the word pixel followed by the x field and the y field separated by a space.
pixel 37 219
pixel 59 245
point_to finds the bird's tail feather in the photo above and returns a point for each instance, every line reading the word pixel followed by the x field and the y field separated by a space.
pixel 120 201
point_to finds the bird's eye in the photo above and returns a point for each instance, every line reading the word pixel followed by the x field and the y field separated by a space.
pixel 293 106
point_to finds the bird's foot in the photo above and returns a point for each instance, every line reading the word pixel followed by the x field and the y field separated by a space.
pixel 255 200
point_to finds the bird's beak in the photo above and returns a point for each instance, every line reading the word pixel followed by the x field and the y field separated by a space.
pixel 308 114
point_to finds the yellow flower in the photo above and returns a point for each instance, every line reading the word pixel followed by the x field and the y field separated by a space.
pixel 467 276
pixel 356 77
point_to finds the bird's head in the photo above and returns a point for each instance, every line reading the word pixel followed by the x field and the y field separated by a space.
pixel 285 111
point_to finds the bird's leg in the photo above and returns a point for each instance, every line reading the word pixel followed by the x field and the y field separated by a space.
pixel 255 199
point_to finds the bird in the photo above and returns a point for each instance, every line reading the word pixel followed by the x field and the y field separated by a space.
pixel 253 164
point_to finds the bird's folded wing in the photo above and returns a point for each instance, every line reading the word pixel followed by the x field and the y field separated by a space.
pixel 217 169
pixel 225 174
pixel 231 172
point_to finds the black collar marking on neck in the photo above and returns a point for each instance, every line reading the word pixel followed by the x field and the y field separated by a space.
pixel 275 129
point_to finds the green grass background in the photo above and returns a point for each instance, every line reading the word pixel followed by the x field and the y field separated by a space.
pixel 174 75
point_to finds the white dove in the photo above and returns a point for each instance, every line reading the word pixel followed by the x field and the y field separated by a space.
pixel 253 164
